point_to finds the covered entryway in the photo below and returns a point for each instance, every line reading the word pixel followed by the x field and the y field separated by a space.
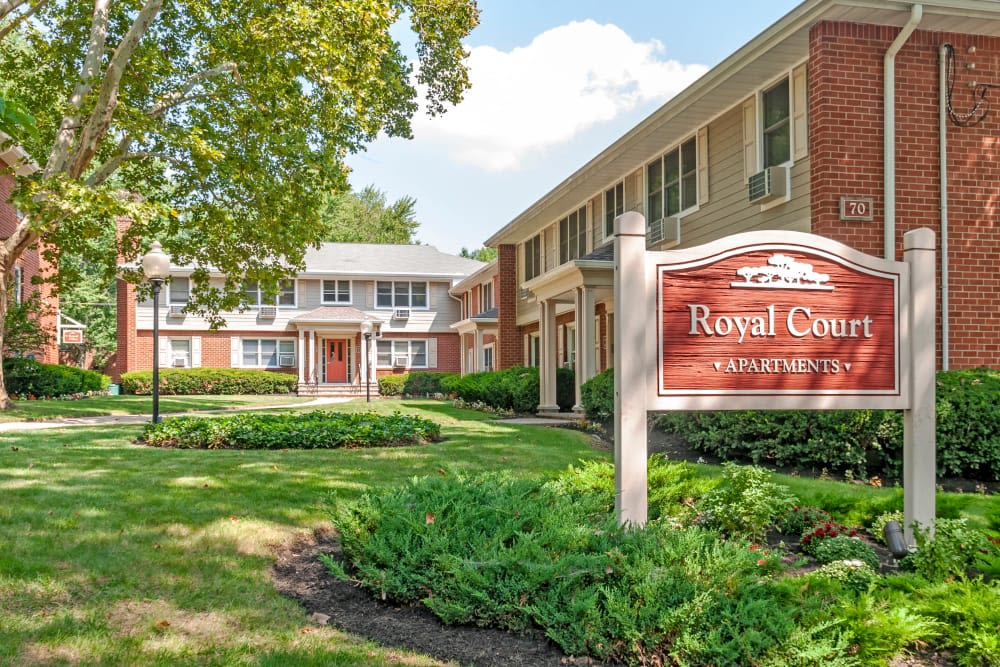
pixel 336 360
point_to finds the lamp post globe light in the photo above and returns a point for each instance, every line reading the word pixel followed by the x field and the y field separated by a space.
pixel 366 331
pixel 156 268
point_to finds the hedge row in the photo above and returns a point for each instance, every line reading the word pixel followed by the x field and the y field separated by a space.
pixel 27 377
pixel 417 383
pixel 311 430
pixel 511 389
pixel 860 442
pixel 176 381
pixel 598 396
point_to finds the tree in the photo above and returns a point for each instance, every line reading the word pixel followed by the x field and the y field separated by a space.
pixel 483 254
pixel 15 121
pixel 216 126
pixel 365 217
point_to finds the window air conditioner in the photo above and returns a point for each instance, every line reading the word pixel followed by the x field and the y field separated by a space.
pixel 267 312
pixel 667 230
pixel 400 361
pixel 180 361
pixel 286 360
pixel 768 185
pixel 401 314
pixel 176 311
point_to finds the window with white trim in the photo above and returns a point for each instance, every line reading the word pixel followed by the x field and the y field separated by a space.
pixel 776 126
pixel 254 296
pixel 390 352
pixel 400 294
pixel 180 353
pixel 336 291
pixel 533 257
pixel 178 291
pixel 268 353
pixel 672 181
pixel 488 357
pixel 487 300
pixel 534 349
pixel 614 205
pixel 571 345
pixel 573 235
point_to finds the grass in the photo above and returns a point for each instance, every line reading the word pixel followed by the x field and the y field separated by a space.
pixel 119 554
pixel 97 406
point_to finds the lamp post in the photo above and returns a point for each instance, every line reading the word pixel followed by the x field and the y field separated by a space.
pixel 156 268
pixel 366 331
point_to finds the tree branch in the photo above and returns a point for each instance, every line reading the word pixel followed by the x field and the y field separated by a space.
pixel 105 170
pixel 8 7
pixel 179 96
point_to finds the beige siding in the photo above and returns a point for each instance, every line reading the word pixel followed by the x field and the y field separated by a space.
pixel 634 195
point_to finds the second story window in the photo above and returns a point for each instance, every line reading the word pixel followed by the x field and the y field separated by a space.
pixel 253 295
pixel 614 205
pixel 573 235
pixel 487 297
pixel 336 291
pixel 533 257
pixel 776 125
pixel 672 181
pixel 400 294
pixel 179 290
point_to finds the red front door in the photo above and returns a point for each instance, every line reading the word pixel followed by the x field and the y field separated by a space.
pixel 336 360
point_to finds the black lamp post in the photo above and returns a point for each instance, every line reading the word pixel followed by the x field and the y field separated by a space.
pixel 366 331
pixel 156 268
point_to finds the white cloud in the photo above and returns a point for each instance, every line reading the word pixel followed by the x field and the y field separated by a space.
pixel 566 81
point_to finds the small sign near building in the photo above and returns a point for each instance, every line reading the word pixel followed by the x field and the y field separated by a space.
pixel 72 336
pixel 857 209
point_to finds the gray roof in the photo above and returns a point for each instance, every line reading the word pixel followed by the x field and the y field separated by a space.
pixel 366 259
pixel 490 314
pixel 604 253
pixel 346 314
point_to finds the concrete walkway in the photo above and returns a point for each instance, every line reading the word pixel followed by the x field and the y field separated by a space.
pixel 65 422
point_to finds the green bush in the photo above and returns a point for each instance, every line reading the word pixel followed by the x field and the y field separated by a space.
pixel 952 552
pixel 746 503
pixel 391 385
pixel 511 389
pixel 825 530
pixel 311 430
pixel 854 574
pixel 598 396
pixel 858 442
pixel 800 517
pixel 422 383
pixel 846 548
pixel 195 381
pixel 27 377
pixel 877 528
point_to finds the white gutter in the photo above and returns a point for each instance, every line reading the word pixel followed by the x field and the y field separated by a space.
pixel 943 141
pixel 889 121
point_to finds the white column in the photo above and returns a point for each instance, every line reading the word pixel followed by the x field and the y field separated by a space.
pixel 919 422
pixel 480 353
pixel 312 356
pixel 302 356
pixel 579 363
pixel 588 334
pixel 547 365
pixel 631 360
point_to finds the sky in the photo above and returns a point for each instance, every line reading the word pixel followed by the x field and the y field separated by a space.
pixel 554 82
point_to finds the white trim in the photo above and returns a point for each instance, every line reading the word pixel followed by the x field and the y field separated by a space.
pixel 350 292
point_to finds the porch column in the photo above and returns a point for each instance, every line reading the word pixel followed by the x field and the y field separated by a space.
pixel 585 366
pixel 302 356
pixel 547 365
pixel 480 358
pixel 312 356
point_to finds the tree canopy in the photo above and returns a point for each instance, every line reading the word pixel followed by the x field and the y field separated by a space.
pixel 215 126
pixel 367 217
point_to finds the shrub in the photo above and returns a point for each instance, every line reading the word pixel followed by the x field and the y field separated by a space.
pixel 800 517
pixel 845 548
pixel 746 503
pixel 877 528
pixel 194 381
pixel 511 389
pixel 824 531
pixel 27 377
pixel 391 385
pixel 951 552
pixel 421 383
pixel 311 430
pixel 598 396
pixel 854 574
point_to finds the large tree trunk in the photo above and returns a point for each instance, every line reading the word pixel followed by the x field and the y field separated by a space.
pixel 5 401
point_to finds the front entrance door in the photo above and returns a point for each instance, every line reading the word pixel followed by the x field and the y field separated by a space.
pixel 336 360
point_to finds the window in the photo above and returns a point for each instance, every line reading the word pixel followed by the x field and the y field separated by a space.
pixel 336 291
pixel 614 205
pixel 18 284
pixel 533 257
pixel 414 352
pixel 179 290
pixel 776 125
pixel 672 181
pixel 253 294
pixel 573 235
pixel 488 358
pixel 180 353
pixel 487 297
pixel 570 345
pixel 268 353
pixel 400 294
pixel 534 349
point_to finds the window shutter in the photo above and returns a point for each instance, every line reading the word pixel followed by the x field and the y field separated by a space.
pixel 526 359
pixel 235 353
pixel 195 351
pixel 800 109
pixel 749 138
pixel 164 352
pixel 703 165
pixel 432 352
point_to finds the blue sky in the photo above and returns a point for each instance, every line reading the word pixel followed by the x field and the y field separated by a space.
pixel 554 83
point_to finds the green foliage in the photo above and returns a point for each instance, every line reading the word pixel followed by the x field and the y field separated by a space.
pixel 884 627
pixel 746 503
pixel 845 548
pixel 858 442
pixel 854 574
pixel 366 217
pixel 484 254
pixel 495 550
pixel 952 552
pixel 421 383
pixel 22 330
pixel 177 381
pixel 825 530
pixel 598 396
pixel 877 528
pixel 90 298
pixel 511 389
pixel 391 385
pixel 15 121
pixel 311 430
pixel 800 517
pixel 27 377
pixel 968 613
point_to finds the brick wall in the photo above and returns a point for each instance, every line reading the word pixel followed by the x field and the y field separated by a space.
pixel 602 337
pixel 845 144
pixel 509 350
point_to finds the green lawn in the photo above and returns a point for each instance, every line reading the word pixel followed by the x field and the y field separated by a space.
pixel 96 406
pixel 113 553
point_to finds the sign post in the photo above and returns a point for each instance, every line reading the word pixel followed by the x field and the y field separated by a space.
pixel 772 320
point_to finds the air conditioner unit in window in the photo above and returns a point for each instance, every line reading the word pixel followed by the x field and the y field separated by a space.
pixel 401 314
pixel 400 361
pixel 768 185
pixel 176 311
pixel 267 312
pixel 286 360
pixel 180 361
pixel 667 230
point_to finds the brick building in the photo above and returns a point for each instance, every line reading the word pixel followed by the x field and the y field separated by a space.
pixel 314 326
pixel 832 121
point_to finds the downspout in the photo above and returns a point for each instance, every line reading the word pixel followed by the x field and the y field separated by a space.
pixel 889 150
pixel 943 140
